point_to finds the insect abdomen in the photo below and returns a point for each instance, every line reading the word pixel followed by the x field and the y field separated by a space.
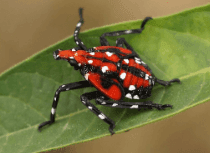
pixel 136 78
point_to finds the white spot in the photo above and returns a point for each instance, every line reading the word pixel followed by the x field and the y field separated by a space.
pixel 131 87
pixel 104 68
pixel 92 53
pixel 56 92
pixel 136 58
pixel 90 107
pixel 79 24
pixel 126 61
pixel 142 62
pixel 146 77
pixel 79 64
pixel 115 104
pixel 128 31
pixel 153 82
pixel 67 88
pixel 90 61
pixel 109 53
pixel 101 116
pixel 71 57
pixel 123 75
pixel 54 98
pixel 53 111
pixel 76 31
pixel 150 81
pixel 73 49
pixel 63 85
pixel 83 102
pixel 103 103
pixel 57 56
pixel 136 97
pixel 139 62
pixel 128 96
pixel 134 106
pixel 77 42
pixel 86 76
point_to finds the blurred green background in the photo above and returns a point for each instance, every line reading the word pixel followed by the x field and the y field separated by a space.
pixel 28 26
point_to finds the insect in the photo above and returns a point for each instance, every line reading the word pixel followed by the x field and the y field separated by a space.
pixel 115 71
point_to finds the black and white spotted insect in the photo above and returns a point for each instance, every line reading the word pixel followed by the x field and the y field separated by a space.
pixel 116 72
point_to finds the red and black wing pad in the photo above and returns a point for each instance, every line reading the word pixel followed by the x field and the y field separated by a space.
pixel 109 87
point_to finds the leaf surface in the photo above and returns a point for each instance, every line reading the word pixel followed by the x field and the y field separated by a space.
pixel 176 46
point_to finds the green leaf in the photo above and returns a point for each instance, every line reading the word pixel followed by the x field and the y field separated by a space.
pixel 176 46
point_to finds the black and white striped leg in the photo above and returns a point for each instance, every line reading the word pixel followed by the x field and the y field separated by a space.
pixel 167 83
pixel 132 105
pixel 121 41
pixel 65 87
pixel 145 21
pixel 104 41
pixel 77 30
pixel 92 95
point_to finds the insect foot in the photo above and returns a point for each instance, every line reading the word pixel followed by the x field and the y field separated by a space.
pixel 111 127
pixel 43 124
pixel 167 83
pixel 162 107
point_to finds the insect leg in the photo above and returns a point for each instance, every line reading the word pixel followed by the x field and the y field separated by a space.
pixel 65 87
pixel 76 32
pixel 76 48
pixel 104 42
pixel 167 83
pixel 121 41
pixel 85 100
pixel 132 105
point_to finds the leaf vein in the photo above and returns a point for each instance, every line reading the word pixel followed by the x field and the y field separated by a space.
pixel 24 147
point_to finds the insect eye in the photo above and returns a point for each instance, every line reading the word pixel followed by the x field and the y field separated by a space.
pixel 55 54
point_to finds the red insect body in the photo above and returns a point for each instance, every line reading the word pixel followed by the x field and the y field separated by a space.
pixel 113 92
pixel 102 58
